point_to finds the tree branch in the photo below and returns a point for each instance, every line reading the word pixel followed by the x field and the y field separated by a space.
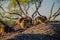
pixel 7 17
pixel 14 13
pixel 27 10
pixel 51 11
pixel 56 16
pixel 7 28
pixel 37 7
pixel 56 12
pixel 9 13
pixel 4 23
pixel 2 8
pixel 21 11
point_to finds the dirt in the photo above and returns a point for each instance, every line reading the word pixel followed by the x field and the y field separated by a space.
pixel 37 32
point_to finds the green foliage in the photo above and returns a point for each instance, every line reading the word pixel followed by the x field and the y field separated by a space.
pixel 14 11
pixel 9 15
pixel 1 25
pixel 23 1
pixel 10 22
pixel 3 13
pixel 1 0
pixel 12 3
pixel 1 19
pixel 6 14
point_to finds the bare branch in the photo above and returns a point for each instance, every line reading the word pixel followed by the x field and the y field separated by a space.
pixel 21 11
pixel 7 17
pixel 4 23
pixel 37 7
pixel 7 27
pixel 27 9
pixel 56 15
pixel 56 12
pixel 51 11
pixel 15 14
pixel 10 12
pixel 2 8
pixel 33 14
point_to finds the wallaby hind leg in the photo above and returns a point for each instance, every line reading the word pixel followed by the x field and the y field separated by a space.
pixel 2 31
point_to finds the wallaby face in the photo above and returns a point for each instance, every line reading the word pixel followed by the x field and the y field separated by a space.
pixel 37 20
pixel 43 18
pixel 28 21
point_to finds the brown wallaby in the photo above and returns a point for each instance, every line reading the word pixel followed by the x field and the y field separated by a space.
pixel 24 22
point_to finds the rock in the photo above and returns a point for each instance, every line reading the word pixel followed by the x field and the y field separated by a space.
pixel 37 32
pixel 40 29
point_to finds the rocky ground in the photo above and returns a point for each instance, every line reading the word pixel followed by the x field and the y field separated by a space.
pixel 38 32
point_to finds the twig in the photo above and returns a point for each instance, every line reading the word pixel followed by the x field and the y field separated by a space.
pixel 56 12
pixel 27 9
pixel 9 12
pixel 51 11
pixel 2 8
pixel 7 17
pixel 56 16
pixel 21 11
pixel 37 7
